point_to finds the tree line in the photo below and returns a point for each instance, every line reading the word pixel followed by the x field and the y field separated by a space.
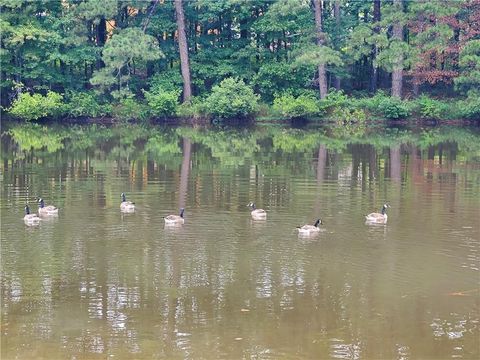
pixel 162 51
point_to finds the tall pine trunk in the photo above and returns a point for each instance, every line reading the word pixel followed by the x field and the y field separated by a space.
pixel 336 13
pixel 183 48
pixel 397 74
pixel 376 19
pixel 322 73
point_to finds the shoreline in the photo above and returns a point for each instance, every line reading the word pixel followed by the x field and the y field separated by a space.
pixel 295 122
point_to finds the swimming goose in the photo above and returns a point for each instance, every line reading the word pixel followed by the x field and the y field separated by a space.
pixel 310 229
pixel 46 210
pixel 380 217
pixel 175 219
pixel 257 213
pixel 126 206
pixel 30 219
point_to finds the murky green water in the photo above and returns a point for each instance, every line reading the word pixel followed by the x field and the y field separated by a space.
pixel 94 283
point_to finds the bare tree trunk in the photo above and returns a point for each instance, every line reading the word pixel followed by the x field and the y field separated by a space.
pixel 376 18
pixel 336 13
pixel 183 47
pixel 397 74
pixel 322 73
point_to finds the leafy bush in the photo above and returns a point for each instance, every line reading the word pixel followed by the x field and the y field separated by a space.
pixel 295 107
pixel 334 99
pixel 349 122
pixel 194 108
pixel 86 104
pixel 470 107
pixel 370 104
pixel 431 108
pixel 393 108
pixel 130 109
pixel 36 106
pixel 231 98
pixel 350 116
pixel 162 103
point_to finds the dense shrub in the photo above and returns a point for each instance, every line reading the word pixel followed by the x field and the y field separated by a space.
pixel 348 116
pixel 32 107
pixel 130 109
pixel 393 108
pixel 162 103
pixel 470 107
pixel 194 108
pixel 295 107
pixel 334 99
pixel 430 108
pixel 231 98
pixel 349 122
pixel 86 104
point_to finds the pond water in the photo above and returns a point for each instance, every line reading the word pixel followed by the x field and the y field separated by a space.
pixel 93 283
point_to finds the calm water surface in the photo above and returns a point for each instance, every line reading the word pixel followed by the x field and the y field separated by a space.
pixel 93 283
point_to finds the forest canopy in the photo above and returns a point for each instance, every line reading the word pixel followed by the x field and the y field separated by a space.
pixel 134 59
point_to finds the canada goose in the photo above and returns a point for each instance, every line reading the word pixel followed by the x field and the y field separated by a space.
pixel 310 229
pixel 30 219
pixel 257 213
pixel 380 217
pixel 126 206
pixel 175 219
pixel 46 210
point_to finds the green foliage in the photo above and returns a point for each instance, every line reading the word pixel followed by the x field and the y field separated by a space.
pixel 162 103
pixel 315 55
pixel 128 47
pixel 279 77
pixel 430 108
pixel 333 100
pixel 470 107
pixel 86 104
pixel 169 80
pixel 349 122
pixel 231 98
pixel 470 64
pixel 393 108
pixel 33 107
pixel 130 109
pixel 296 107
pixel 195 108
pixel 271 45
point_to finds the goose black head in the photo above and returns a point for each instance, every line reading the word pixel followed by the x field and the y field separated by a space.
pixel 384 208
pixel 251 205
pixel 318 222
pixel 41 203
pixel 27 210
pixel 182 210
pixel 123 197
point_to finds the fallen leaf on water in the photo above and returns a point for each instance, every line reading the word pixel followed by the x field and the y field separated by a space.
pixel 244 310
pixel 238 339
